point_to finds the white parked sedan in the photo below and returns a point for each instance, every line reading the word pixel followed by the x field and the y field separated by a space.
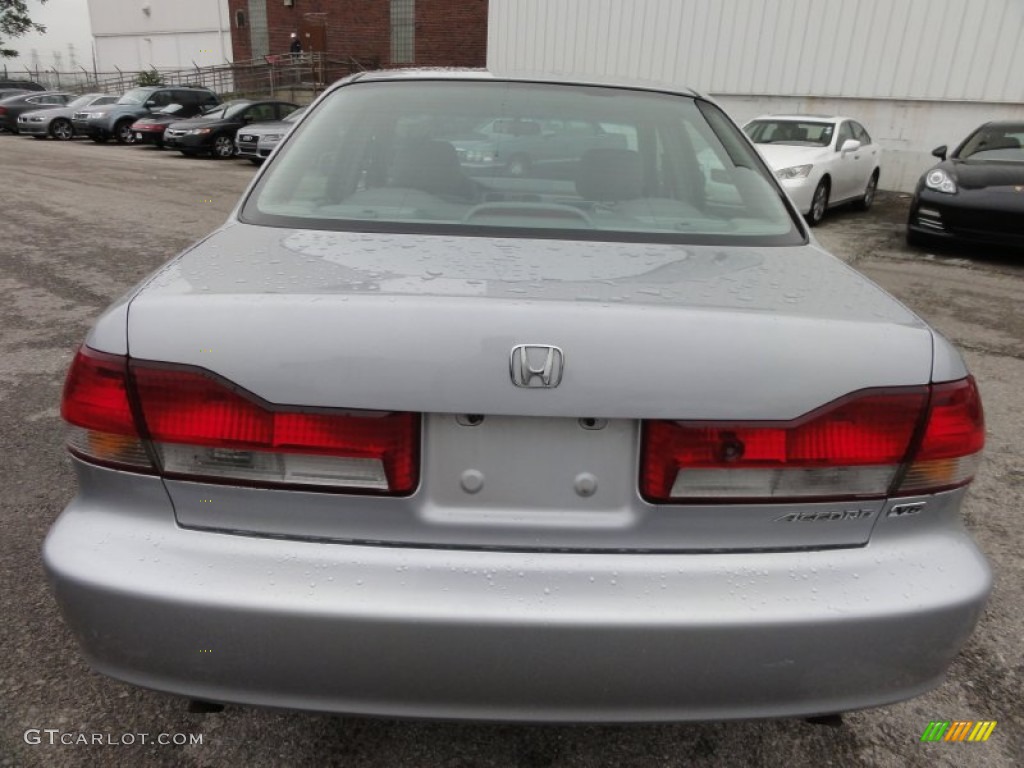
pixel 821 161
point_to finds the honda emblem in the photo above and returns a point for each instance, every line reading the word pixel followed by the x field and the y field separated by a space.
pixel 536 366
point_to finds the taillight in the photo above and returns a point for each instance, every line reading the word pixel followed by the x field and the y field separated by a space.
pixel 202 427
pixel 950 449
pixel 205 428
pixel 855 447
pixel 96 407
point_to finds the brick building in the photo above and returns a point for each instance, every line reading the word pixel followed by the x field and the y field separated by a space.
pixel 378 33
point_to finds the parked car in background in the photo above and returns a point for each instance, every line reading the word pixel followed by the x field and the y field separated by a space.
pixel 522 145
pixel 976 193
pixel 21 85
pixel 821 161
pixel 258 140
pixel 6 93
pixel 407 438
pixel 13 106
pixel 214 132
pixel 150 130
pixel 56 123
pixel 116 120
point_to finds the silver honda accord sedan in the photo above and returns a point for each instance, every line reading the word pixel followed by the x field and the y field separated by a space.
pixel 609 439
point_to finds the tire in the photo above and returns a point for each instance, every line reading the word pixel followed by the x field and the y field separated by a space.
pixel 518 165
pixel 256 160
pixel 819 203
pixel 123 132
pixel 62 129
pixel 865 202
pixel 223 147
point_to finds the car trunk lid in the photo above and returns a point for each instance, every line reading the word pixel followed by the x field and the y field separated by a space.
pixel 430 324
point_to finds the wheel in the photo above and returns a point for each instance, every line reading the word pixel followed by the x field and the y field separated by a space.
pixel 869 193
pixel 819 203
pixel 518 165
pixel 123 132
pixel 256 160
pixel 62 129
pixel 223 147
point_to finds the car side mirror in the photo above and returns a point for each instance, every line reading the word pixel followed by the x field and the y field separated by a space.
pixel 150 104
pixel 850 145
pixel 940 152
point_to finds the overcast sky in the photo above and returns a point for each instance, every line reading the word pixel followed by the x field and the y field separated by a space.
pixel 66 21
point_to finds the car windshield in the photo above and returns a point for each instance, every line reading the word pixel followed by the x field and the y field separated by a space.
pixel 83 101
pixel 227 109
pixel 799 133
pixel 991 142
pixel 601 163
pixel 135 96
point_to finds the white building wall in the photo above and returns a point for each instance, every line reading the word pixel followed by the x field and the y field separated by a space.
pixel 918 73
pixel 166 34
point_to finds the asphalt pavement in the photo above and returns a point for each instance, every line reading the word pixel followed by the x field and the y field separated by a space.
pixel 81 223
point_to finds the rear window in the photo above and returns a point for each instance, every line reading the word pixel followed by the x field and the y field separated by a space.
pixel 521 159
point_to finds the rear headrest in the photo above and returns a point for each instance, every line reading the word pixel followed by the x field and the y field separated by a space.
pixel 610 175
pixel 432 166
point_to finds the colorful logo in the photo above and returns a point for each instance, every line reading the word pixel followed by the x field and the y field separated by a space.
pixel 958 730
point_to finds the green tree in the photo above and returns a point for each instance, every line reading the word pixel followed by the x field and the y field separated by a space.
pixel 15 22
pixel 149 78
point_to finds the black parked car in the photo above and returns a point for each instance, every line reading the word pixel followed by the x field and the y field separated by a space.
pixel 150 130
pixel 975 194
pixel 13 106
pixel 21 85
pixel 214 132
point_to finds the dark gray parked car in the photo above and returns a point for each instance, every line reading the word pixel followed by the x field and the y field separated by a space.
pixel 13 106
pixel 115 120
pixel 56 123
pixel 408 438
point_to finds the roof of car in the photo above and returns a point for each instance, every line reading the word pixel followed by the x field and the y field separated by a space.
pixel 452 73
pixel 819 118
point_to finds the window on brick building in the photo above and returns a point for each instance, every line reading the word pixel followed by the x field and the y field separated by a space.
pixel 239 18
pixel 403 31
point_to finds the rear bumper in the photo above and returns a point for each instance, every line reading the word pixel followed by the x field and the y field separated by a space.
pixel 535 636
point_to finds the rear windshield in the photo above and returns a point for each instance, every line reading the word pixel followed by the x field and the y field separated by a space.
pixel 799 133
pixel 521 159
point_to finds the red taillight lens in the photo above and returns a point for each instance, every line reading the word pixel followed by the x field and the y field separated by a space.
pixel 96 407
pixel 852 448
pixel 950 448
pixel 204 427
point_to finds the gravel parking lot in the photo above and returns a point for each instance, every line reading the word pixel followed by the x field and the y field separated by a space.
pixel 82 223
